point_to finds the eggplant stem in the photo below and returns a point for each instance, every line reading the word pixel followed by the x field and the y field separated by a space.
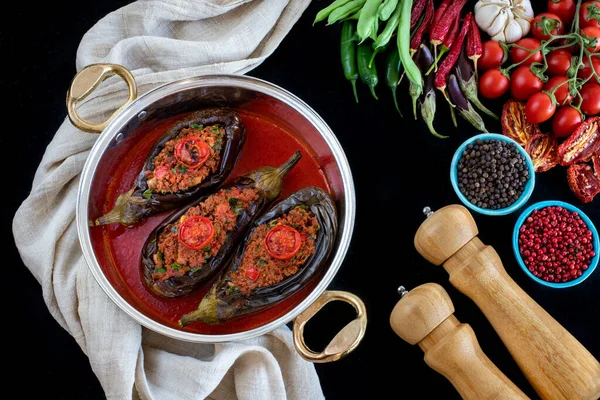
pixel 432 130
pixel 119 212
pixel 434 65
pixel 206 312
pixel 353 82
pixel 289 164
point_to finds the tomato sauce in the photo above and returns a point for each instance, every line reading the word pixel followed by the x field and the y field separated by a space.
pixel 119 248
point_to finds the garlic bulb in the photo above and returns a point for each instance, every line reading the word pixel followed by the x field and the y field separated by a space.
pixel 504 20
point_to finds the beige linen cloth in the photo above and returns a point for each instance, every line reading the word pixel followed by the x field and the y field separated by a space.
pixel 160 41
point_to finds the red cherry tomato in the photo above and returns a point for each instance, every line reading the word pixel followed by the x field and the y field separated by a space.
pixel 517 54
pixel 192 151
pixel 590 93
pixel 586 71
pixel 563 94
pixel 492 56
pixel 252 273
pixel 592 32
pixel 565 9
pixel 283 242
pixel 523 83
pixel 589 14
pixel 559 62
pixel 196 232
pixel 539 108
pixel 161 172
pixel 565 121
pixel 552 21
pixel 493 84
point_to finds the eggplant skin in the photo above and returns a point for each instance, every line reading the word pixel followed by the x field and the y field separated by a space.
pixel 218 306
pixel 132 206
pixel 266 180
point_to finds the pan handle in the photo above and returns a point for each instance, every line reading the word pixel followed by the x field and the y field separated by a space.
pixel 345 341
pixel 85 82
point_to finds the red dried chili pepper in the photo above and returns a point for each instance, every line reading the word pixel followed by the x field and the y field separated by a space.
pixel 415 42
pixel 444 23
pixel 474 47
pixel 416 13
pixel 515 124
pixel 582 144
pixel 439 13
pixel 542 150
pixel 583 181
pixel 452 57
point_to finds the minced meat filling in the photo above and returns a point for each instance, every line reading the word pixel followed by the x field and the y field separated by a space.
pixel 222 209
pixel 170 176
pixel 258 268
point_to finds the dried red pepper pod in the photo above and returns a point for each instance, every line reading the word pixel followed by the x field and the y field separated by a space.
pixel 442 26
pixel 515 124
pixel 416 12
pixel 415 42
pixel 584 181
pixel 582 144
pixel 450 60
pixel 474 46
pixel 542 150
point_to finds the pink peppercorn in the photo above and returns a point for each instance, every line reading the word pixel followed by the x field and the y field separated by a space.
pixel 555 244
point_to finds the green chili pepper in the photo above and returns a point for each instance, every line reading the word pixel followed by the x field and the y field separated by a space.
pixel 403 42
pixel 386 35
pixel 345 11
pixel 348 55
pixel 368 75
pixel 324 13
pixel 368 21
pixel 386 9
pixel 393 65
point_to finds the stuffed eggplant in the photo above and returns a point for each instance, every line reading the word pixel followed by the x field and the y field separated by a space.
pixel 194 243
pixel 280 254
pixel 193 156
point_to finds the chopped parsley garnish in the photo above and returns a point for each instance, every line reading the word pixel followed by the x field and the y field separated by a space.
pixel 195 269
pixel 238 210
pixel 173 170
pixel 161 257
pixel 303 206
pixel 318 226
pixel 206 248
pixel 147 193
pixel 161 271
pixel 176 266
pixel 197 126
pixel 182 168
pixel 233 202
pixel 215 129
pixel 273 224
pixel 262 262
pixel 174 229
pixel 217 146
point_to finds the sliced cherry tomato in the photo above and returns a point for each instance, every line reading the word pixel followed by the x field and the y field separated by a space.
pixel 563 94
pixel 582 144
pixel 517 54
pixel 161 172
pixel 252 273
pixel 283 242
pixel 565 121
pixel 524 83
pixel 492 56
pixel 589 14
pixel 493 84
pixel 539 108
pixel 565 9
pixel 549 20
pixel 592 35
pixel 192 151
pixel 586 71
pixel 590 93
pixel 196 232
pixel 559 62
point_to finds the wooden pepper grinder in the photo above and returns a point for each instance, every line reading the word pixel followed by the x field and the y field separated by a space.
pixel 554 362
pixel 425 315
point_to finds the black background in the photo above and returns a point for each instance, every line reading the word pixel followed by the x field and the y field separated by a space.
pixel 398 169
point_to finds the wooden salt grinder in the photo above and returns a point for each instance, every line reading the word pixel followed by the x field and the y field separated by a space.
pixel 554 362
pixel 425 315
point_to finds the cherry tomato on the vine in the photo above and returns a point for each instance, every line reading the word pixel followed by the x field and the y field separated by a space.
pixel 592 32
pixel 493 84
pixel 590 93
pixel 517 54
pixel 492 56
pixel 559 62
pixel 565 9
pixel 539 108
pixel 586 71
pixel 524 83
pixel 552 21
pixel 565 121
pixel 589 14
pixel 562 93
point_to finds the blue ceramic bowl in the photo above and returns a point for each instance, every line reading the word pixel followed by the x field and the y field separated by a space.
pixel 588 222
pixel 501 211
